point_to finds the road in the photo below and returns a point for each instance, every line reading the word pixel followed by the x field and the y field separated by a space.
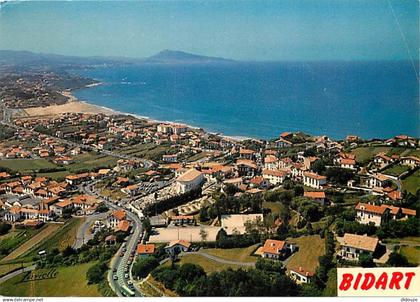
pixel 118 264
pixel 17 272
pixel 83 235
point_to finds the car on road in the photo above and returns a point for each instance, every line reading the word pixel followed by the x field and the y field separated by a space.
pixel 129 262
pixel 115 277
pixel 126 276
pixel 126 269
pixel 129 282
pixel 114 270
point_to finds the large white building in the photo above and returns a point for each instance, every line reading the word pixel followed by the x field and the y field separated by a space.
pixel 190 180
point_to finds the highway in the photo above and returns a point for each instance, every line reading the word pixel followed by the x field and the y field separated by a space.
pixel 119 264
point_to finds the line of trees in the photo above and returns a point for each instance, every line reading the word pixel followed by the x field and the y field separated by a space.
pixel 191 280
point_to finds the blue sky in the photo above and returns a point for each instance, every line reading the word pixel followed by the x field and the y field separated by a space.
pixel 244 30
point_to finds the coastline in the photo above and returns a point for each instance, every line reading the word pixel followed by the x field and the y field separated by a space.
pixel 74 105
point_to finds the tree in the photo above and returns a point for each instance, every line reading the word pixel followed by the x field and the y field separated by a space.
pixel 102 208
pixel 96 273
pixel 68 251
pixel 4 228
pixel 203 234
pixel 204 214
pixel 144 266
pixel 397 260
pixel 147 225
pixel 366 260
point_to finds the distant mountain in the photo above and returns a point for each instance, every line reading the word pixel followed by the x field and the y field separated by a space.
pixel 176 56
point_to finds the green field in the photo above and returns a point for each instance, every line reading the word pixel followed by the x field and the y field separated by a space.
pixel 412 253
pixel 63 237
pixel 208 265
pixel 412 183
pixel 364 154
pixel 236 254
pixel 310 249
pixel 15 238
pixel 26 165
pixel 70 281
pixel 396 170
pixel 91 161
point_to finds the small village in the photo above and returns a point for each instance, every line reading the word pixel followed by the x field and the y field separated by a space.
pixel 173 193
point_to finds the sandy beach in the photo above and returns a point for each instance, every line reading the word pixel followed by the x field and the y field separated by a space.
pixel 76 106
pixel 70 107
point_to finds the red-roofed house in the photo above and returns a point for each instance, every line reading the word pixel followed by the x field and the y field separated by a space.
pixel 368 213
pixel 145 250
pixel 318 197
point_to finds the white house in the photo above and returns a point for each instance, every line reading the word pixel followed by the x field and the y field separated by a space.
pixel 411 161
pixel 301 275
pixel 276 249
pixel 368 213
pixel 352 246
pixel 275 177
pixel 314 180
pixel 177 246
pixel 190 180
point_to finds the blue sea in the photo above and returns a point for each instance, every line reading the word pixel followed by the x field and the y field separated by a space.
pixel 261 100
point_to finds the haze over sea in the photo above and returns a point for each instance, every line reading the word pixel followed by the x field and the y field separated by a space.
pixel 261 100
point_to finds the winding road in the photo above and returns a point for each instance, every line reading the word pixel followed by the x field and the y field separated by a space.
pixel 118 264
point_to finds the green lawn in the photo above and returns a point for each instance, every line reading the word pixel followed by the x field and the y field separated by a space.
pixel 310 249
pixel 412 253
pixel 236 254
pixel 208 265
pixel 26 165
pixel 396 170
pixel 70 281
pixel 412 183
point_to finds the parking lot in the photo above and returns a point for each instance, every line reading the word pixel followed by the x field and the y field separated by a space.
pixel 188 233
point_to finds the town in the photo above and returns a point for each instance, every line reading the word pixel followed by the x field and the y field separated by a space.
pixel 135 205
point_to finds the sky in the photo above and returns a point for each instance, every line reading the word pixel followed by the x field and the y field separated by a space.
pixel 242 30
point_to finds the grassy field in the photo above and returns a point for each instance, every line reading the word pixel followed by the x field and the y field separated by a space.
pixel 59 175
pixel 70 281
pixel 412 253
pixel 152 288
pixel 236 254
pixel 8 267
pixel 91 161
pixel 364 154
pixel 310 248
pixel 63 237
pixel 395 170
pixel 30 238
pixel 412 183
pixel 15 238
pixel 275 207
pixel 26 165
pixel 208 265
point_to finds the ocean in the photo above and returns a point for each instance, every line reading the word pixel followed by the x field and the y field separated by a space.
pixel 263 99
